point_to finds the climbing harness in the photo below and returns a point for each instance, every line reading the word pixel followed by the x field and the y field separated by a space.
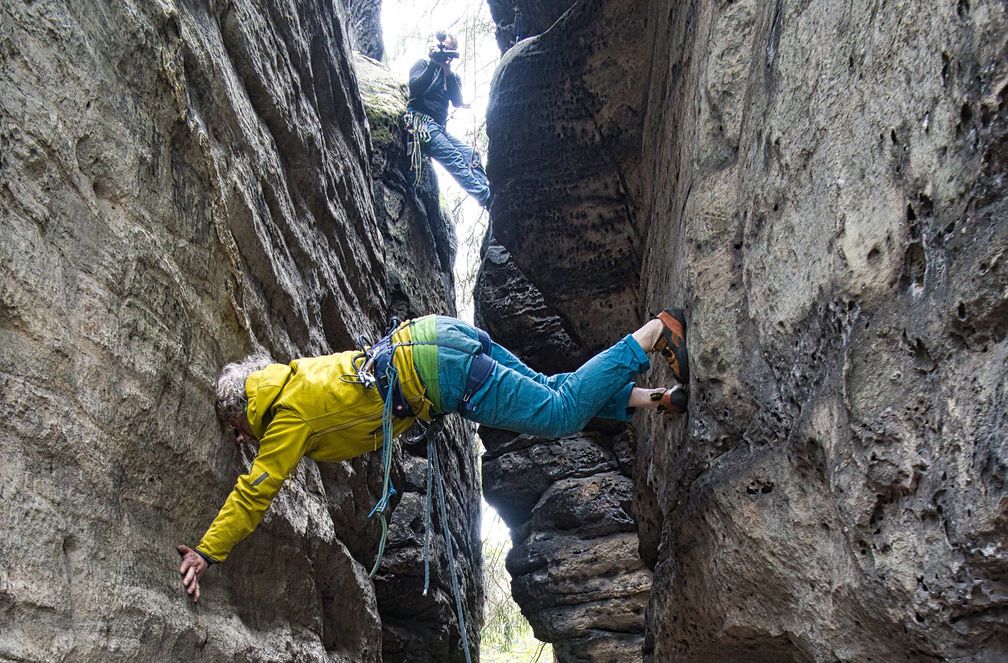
pixel 374 367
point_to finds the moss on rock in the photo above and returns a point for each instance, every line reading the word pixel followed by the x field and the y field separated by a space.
pixel 384 97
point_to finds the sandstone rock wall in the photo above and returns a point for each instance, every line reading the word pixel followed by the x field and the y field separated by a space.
pixel 565 209
pixel 564 127
pixel 520 19
pixel 829 202
pixel 823 188
pixel 363 19
pixel 182 182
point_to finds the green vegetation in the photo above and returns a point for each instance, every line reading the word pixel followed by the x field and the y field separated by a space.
pixel 506 636
pixel 384 98
pixel 384 114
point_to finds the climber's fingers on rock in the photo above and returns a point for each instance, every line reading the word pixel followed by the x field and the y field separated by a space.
pixel 192 589
pixel 191 583
pixel 191 569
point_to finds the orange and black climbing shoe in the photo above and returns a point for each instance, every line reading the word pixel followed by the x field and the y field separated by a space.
pixel 672 343
pixel 673 401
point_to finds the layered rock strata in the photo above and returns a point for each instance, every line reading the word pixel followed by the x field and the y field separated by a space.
pixel 178 185
pixel 575 569
pixel 823 188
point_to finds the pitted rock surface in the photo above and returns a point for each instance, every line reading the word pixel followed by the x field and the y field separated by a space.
pixel 565 209
pixel 179 185
pixel 832 212
pixel 823 189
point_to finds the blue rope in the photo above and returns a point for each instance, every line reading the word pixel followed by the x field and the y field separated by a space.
pixel 427 516
pixel 434 480
pixel 449 549
pixel 388 490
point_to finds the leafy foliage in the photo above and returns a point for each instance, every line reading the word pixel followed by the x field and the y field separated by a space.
pixel 506 636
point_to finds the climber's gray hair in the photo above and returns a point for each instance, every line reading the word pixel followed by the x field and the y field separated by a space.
pixel 230 395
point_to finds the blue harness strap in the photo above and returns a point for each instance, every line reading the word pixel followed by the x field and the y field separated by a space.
pixel 484 339
pixel 480 368
pixel 400 406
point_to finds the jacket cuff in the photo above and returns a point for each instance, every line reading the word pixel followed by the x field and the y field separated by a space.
pixel 209 560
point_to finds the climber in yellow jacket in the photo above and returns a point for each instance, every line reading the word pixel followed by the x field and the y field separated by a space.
pixel 330 408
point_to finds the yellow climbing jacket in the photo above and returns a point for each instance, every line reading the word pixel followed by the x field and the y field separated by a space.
pixel 302 409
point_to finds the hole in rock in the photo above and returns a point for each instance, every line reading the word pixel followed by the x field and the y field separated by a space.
pixel 965 115
pixel 914 265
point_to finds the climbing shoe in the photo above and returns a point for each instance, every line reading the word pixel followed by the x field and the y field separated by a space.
pixel 673 401
pixel 672 344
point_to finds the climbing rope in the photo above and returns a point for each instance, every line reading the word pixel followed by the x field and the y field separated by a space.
pixel 435 480
pixel 388 490
pixel 471 39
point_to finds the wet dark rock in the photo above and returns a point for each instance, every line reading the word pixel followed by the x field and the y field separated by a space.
pixel 520 19
pixel 513 311
pixel 363 19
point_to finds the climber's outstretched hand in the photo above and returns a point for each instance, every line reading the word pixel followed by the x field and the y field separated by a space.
pixel 191 570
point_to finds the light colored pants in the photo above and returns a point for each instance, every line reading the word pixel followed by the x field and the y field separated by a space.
pixel 457 159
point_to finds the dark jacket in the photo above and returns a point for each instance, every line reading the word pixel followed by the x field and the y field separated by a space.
pixel 430 90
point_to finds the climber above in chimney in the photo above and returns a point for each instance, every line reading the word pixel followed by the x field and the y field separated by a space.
pixel 338 406
pixel 432 85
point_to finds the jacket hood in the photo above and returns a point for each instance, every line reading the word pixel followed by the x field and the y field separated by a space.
pixel 263 388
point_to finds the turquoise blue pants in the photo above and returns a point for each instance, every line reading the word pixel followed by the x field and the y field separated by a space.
pixel 519 399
